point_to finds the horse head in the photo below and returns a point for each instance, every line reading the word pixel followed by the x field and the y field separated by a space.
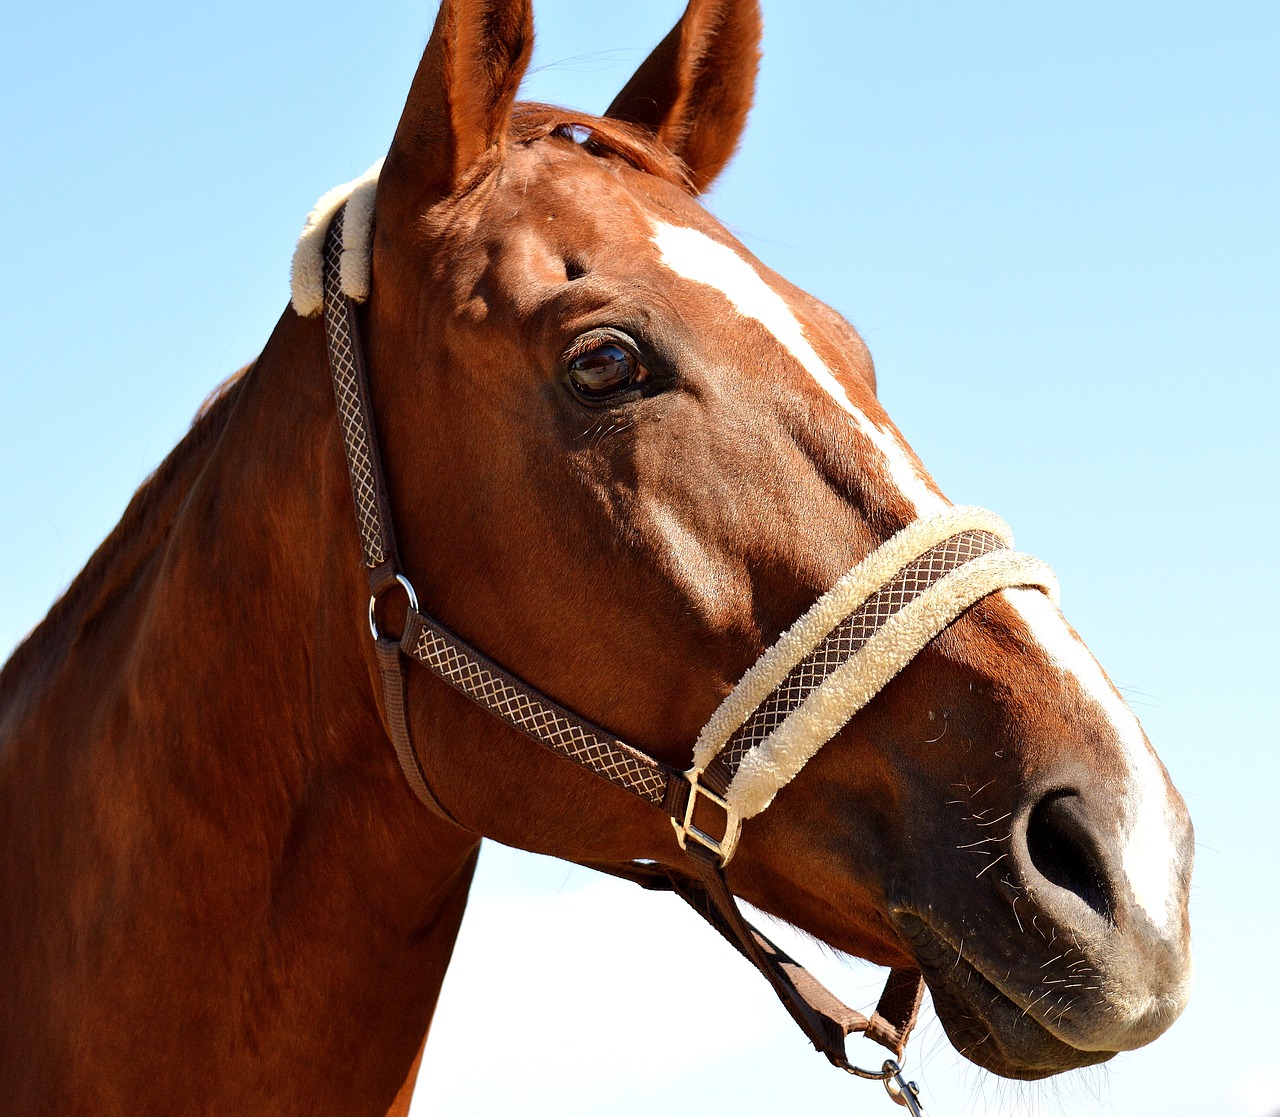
pixel 624 456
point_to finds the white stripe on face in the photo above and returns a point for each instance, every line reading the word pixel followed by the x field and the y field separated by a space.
pixel 694 255
pixel 1150 857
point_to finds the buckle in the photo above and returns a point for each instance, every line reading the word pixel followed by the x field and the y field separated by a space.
pixel 724 846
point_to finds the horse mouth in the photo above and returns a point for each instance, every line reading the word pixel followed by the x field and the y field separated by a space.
pixel 983 1021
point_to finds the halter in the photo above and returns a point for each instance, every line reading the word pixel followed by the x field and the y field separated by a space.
pixel 797 696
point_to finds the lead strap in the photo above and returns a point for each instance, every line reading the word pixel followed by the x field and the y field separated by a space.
pixel 822 1016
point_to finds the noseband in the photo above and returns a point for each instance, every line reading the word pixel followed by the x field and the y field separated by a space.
pixel 797 696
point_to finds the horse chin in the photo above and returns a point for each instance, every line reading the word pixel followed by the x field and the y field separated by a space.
pixel 982 1021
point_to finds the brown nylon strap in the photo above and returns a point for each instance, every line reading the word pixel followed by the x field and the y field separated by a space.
pixel 536 715
pixel 818 1012
pixel 351 392
pixel 823 1017
pixel 895 1014
pixel 394 692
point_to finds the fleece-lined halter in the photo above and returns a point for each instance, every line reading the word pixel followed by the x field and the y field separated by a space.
pixel 797 696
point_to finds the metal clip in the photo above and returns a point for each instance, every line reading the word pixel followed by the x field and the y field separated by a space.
pixel 722 847
pixel 906 1094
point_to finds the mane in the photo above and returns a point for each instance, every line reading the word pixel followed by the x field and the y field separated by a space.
pixel 601 136
pixel 141 529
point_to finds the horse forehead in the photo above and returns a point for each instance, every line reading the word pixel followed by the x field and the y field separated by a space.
pixel 555 209
pixel 737 281
pixel 572 198
pixel 629 226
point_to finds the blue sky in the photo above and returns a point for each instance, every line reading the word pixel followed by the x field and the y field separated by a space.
pixel 1058 230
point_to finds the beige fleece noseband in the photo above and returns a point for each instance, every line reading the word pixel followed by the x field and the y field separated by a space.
pixel 850 644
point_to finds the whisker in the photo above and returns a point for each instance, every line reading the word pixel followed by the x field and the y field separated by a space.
pixel 1007 814
pixel 992 865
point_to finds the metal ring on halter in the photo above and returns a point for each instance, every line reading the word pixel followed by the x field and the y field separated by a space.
pixel 373 604
pixel 874 1075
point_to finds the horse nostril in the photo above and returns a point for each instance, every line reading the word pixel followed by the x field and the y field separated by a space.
pixel 1064 851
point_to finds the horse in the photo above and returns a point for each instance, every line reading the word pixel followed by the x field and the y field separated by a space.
pixel 622 458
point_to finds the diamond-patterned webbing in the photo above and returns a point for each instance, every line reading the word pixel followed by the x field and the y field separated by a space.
pixel 540 719
pixel 347 392
pixel 850 635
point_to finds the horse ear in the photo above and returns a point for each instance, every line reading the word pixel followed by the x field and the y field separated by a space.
pixel 694 90
pixel 461 95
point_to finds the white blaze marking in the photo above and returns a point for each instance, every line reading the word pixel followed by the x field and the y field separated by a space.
pixel 696 256
pixel 1149 859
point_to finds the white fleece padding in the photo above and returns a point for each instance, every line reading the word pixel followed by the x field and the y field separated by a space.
pixel 307 276
pixel 829 610
pixel 773 763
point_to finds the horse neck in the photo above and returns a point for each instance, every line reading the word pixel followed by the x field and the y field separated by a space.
pixel 202 808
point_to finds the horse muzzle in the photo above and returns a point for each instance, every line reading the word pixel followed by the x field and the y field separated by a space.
pixel 1050 962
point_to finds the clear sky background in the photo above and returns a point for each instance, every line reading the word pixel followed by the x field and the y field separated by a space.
pixel 1058 229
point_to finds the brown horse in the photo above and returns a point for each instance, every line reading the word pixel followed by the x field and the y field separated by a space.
pixel 623 457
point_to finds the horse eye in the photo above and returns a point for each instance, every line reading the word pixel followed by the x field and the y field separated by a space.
pixel 605 369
